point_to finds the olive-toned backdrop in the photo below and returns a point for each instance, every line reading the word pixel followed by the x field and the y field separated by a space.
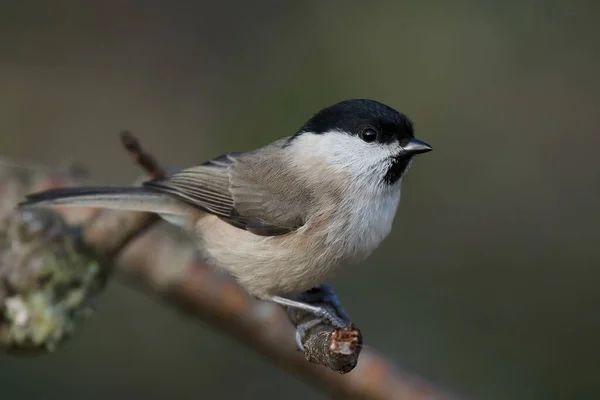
pixel 488 284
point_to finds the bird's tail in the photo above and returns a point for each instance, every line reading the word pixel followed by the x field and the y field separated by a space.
pixel 120 198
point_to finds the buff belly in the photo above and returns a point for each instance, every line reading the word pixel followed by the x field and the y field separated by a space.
pixel 268 266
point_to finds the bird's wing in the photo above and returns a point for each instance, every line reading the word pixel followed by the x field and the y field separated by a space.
pixel 228 189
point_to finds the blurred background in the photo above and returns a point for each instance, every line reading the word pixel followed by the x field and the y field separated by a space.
pixel 488 284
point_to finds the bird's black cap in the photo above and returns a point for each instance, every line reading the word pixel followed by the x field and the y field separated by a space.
pixel 356 115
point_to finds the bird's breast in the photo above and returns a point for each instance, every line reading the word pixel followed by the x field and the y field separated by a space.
pixel 365 224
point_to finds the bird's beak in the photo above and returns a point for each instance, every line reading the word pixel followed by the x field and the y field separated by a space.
pixel 415 146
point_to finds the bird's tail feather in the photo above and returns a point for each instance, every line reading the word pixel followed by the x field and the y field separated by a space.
pixel 121 198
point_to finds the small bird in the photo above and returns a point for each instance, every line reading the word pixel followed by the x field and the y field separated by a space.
pixel 283 218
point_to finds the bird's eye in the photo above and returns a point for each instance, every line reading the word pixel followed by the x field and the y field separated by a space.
pixel 369 135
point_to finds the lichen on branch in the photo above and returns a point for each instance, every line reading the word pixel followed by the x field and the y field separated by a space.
pixel 48 280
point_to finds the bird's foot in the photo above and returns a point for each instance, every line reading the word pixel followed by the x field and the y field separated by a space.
pixel 318 305
pixel 321 313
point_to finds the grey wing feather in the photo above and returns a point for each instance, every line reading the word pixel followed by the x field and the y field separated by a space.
pixel 218 187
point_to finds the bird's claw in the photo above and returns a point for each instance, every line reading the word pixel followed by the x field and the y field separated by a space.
pixel 312 302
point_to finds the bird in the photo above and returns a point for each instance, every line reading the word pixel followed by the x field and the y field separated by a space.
pixel 285 217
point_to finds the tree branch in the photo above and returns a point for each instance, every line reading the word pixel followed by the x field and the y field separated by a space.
pixel 156 256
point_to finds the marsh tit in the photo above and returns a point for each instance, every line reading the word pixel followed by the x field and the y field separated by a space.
pixel 283 218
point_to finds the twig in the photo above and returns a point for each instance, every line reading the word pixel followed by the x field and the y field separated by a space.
pixel 336 348
pixel 162 260
pixel 140 157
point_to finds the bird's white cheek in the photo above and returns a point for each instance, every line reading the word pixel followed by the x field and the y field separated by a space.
pixel 342 153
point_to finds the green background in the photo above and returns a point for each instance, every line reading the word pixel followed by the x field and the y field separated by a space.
pixel 488 284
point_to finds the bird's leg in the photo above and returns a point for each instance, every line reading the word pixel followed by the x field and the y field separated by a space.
pixel 324 294
pixel 322 305
pixel 320 312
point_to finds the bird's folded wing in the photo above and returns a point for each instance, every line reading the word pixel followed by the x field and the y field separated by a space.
pixel 229 191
